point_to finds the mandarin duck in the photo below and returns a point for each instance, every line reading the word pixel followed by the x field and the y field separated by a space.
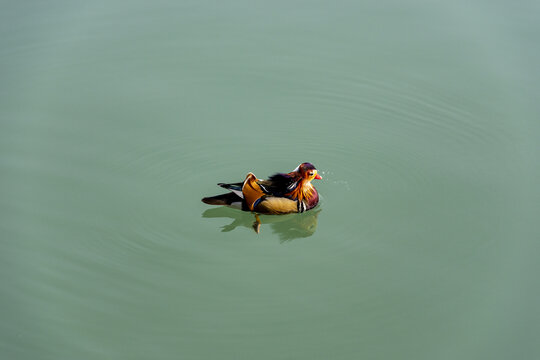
pixel 280 194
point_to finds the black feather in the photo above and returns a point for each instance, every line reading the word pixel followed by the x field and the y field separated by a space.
pixel 225 199
pixel 233 186
pixel 281 184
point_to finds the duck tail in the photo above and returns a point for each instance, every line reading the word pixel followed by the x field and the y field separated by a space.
pixel 225 199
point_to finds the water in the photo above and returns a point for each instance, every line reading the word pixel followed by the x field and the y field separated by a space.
pixel 117 117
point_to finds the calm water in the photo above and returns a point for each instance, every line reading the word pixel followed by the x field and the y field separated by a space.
pixel 117 117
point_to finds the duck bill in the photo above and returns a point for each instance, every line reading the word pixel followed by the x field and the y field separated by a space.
pixel 318 177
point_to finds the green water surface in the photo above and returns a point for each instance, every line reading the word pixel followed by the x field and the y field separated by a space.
pixel 116 117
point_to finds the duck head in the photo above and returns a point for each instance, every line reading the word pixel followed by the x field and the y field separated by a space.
pixel 307 172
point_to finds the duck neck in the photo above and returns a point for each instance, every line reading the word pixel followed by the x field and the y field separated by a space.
pixel 303 192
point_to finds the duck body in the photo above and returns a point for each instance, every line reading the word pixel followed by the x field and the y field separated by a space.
pixel 282 193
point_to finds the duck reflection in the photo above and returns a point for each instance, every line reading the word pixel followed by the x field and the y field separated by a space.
pixel 287 227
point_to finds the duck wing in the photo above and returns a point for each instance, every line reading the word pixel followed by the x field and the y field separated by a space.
pixel 279 184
